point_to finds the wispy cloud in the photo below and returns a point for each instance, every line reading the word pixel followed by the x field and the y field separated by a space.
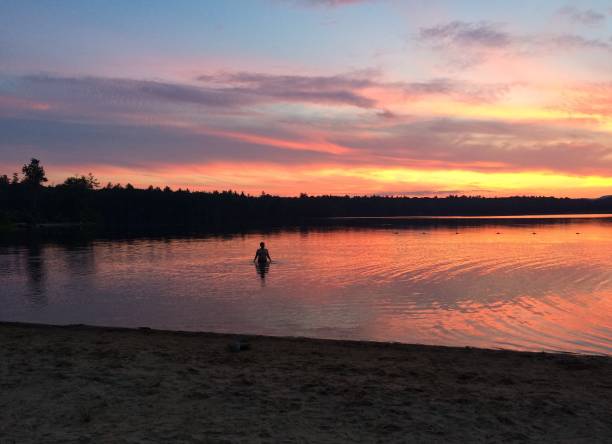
pixel 457 33
pixel 582 16
pixel 593 99
pixel 460 91
pixel 339 89
pixel 487 145
pixel 216 91
pixel 233 93
pixel 142 145
pixel 128 91
pixel 470 43
pixel 351 89
pixel 168 114
pixel 466 44
pixel 572 41
pixel 483 146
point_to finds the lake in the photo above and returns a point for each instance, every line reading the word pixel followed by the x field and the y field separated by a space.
pixel 535 283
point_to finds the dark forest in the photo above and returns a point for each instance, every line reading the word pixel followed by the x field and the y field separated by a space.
pixel 25 200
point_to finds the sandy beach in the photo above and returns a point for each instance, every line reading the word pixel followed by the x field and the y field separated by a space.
pixel 91 384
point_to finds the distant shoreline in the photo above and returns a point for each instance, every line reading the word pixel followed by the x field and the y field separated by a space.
pixel 119 384
pixel 332 221
pixel 80 202
pixel 484 216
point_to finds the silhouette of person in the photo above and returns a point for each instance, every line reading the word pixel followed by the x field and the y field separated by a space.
pixel 262 256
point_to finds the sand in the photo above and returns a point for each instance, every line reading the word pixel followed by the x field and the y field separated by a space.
pixel 108 385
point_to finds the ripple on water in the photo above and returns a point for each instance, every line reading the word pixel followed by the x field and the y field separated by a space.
pixel 552 291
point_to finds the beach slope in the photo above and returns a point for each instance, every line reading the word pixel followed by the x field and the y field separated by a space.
pixel 90 384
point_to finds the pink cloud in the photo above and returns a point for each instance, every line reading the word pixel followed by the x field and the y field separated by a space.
pixel 593 99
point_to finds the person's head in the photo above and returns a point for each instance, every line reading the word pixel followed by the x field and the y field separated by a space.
pixel 262 245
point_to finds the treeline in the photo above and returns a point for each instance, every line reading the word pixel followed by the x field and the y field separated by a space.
pixel 80 199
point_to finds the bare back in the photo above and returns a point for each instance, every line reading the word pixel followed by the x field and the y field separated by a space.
pixel 262 255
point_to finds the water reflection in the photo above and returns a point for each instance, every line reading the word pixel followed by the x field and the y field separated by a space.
pixel 533 286
pixel 36 274
pixel 79 258
pixel 262 269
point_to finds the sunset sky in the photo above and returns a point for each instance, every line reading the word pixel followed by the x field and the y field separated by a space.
pixel 399 97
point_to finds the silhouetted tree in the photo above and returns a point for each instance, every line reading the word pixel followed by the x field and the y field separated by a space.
pixel 78 200
pixel 34 173
pixel 88 182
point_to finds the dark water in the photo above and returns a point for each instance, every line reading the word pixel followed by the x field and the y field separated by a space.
pixel 529 284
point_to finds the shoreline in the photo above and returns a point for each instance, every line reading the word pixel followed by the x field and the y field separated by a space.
pixel 355 342
pixel 310 222
pixel 81 383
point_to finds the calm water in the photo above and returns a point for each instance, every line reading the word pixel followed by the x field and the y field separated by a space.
pixel 521 284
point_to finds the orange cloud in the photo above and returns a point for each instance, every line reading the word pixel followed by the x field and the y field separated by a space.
pixel 320 146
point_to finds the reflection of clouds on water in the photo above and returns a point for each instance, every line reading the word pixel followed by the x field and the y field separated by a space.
pixel 514 289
